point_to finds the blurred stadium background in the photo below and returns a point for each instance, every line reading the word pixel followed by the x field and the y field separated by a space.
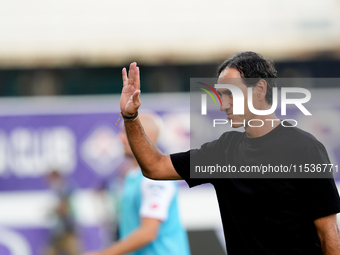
pixel 60 79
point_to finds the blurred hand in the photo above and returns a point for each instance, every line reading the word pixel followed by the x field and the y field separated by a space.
pixel 130 97
pixel 92 253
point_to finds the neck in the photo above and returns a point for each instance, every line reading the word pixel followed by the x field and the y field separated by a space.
pixel 270 122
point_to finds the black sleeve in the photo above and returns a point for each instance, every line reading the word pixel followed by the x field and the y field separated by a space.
pixel 181 163
pixel 321 196
pixel 206 155
pixel 324 198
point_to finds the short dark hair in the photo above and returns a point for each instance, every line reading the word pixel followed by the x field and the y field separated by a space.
pixel 255 66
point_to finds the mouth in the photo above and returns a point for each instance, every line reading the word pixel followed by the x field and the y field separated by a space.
pixel 229 115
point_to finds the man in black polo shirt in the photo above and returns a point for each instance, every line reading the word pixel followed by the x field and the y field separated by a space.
pixel 260 216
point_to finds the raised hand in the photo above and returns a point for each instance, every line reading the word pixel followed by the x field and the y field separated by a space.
pixel 130 97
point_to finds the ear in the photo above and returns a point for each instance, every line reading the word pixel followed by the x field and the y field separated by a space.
pixel 261 90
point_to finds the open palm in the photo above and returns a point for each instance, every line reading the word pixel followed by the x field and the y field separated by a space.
pixel 130 97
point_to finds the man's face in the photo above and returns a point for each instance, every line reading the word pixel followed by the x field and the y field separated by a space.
pixel 232 76
pixel 124 140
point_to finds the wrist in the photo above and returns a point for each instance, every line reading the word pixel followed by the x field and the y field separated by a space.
pixel 129 117
pixel 125 114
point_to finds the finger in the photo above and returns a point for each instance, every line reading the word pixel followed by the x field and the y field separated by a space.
pixel 137 78
pixel 131 74
pixel 124 75
pixel 136 98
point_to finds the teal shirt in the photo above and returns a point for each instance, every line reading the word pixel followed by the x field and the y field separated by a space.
pixel 143 197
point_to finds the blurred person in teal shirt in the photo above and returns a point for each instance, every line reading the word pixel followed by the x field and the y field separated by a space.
pixel 149 221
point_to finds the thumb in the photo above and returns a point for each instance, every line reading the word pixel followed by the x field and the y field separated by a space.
pixel 136 97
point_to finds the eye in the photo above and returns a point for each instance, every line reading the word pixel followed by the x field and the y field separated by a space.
pixel 229 94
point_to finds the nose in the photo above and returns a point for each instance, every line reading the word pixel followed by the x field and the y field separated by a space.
pixel 227 102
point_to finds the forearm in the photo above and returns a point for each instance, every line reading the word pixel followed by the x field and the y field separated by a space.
pixel 133 242
pixel 330 243
pixel 329 234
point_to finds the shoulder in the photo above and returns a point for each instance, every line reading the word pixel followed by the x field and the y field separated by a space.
pixel 225 139
pixel 157 197
pixel 302 138
pixel 231 135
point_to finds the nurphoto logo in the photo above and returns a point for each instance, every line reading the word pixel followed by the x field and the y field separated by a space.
pixel 238 103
